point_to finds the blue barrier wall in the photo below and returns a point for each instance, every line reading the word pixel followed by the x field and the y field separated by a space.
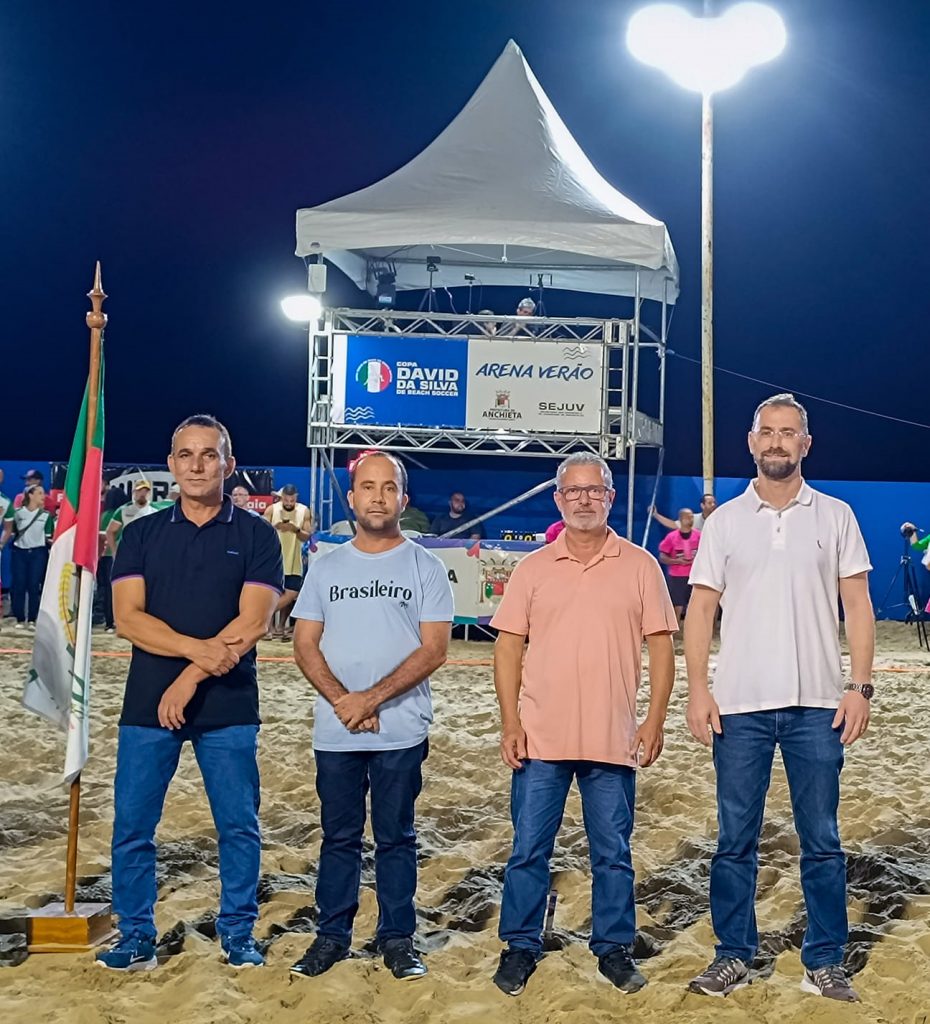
pixel 880 507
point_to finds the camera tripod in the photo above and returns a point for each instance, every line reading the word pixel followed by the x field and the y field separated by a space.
pixel 915 613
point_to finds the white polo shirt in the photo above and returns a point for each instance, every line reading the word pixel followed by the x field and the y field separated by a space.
pixel 778 571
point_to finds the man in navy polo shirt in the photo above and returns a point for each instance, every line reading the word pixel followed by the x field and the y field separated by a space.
pixel 194 588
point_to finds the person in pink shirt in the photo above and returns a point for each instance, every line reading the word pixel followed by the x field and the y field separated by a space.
pixel 553 530
pixel 586 602
pixel 677 552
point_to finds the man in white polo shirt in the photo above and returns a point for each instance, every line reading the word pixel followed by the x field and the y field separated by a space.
pixel 776 559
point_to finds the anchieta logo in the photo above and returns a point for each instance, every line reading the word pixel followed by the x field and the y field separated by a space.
pixel 374 375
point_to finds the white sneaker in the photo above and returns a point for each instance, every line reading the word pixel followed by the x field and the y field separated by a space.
pixel 20 625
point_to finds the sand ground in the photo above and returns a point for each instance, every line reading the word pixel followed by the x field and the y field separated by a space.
pixel 464 833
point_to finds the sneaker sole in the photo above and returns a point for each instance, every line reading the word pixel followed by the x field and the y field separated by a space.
pixel 698 990
pixel 812 989
pixel 510 991
pixel 142 965
pixel 241 967
pixel 409 977
pixel 601 977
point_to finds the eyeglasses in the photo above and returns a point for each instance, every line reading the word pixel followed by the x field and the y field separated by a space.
pixel 595 493
pixel 785 434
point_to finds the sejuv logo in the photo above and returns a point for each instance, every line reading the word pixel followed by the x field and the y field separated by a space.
pixel 374 589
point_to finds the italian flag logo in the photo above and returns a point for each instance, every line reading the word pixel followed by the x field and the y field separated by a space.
pixel 374 375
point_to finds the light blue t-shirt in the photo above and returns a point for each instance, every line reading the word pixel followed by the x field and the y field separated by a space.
pixel 371 607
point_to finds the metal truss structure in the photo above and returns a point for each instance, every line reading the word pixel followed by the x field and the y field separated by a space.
pixel 624 426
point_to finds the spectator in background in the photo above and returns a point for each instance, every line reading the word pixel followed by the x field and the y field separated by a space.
pixel 174 492
pixel 457 515
pixel 294 524
pixel 676 553
pixel 6 525
pixel 414 519
pixel 240 496
pixel 33 478
pixel 553 530
pixel 525 308
pixel 111 499
pixel 32 529
pixel 138 508
pixel 708 504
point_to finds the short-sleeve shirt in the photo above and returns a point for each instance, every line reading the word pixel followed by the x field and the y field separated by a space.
pixel 586 625
pixel 678 543
pixel 6 507
pixel 194 577
pixel 778 571
pixel 371 607
pixel 32 528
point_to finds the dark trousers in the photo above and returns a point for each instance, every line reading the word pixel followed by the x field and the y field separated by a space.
pixel 105 589
pixel 28 575
pixel 343 779
pixel 813 757
pixel 537 801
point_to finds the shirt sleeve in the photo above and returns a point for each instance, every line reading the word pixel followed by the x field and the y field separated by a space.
pixel 129 560
pixel 666 545
pixel 438 603
pixel 308 604
pixel 266 567
pixel 513 612
pixel 853 556
pixel 709 566
pixel 923 543
pixel 658 612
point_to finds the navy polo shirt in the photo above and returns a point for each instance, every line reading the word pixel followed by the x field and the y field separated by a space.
pixel 193 577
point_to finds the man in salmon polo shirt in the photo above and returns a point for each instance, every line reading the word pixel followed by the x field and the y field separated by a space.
pixel 586 602
pixel 777 559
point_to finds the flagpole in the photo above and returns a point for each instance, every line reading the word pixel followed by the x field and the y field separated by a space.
pixel 96 320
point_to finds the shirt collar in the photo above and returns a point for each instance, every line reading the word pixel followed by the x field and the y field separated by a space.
pixel 805 496
pixel 611 548
pixel 224 515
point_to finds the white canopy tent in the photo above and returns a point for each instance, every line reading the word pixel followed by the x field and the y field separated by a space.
pixel 503 193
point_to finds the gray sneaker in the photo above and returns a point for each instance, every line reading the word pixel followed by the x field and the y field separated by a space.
pixel 830 981
pixel 725 975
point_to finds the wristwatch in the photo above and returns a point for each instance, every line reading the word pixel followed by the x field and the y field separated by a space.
pixel 866 689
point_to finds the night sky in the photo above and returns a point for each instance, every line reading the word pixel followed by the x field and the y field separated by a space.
pixel 175 141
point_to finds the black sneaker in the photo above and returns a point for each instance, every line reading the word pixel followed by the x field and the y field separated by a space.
pixel 619 968
pixel 829 981
pixel 322 955
pixel 401 959
pixel 723 976
pixel 514 970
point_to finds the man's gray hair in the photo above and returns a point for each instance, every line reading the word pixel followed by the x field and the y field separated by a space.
pixel 785 399
pixel 584 459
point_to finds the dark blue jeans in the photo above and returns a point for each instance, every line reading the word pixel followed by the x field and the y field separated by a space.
pixel 537 801
pixel 813 757
pixel 29 566
pixel 146 761
pixel 343 779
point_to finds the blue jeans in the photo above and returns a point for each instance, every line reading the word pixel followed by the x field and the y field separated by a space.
pixel 146 761
pixel 343 779
pixel 537 801
pixel 813 757
pixel 29 565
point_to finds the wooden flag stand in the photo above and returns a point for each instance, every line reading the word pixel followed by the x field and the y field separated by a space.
pixel 71 927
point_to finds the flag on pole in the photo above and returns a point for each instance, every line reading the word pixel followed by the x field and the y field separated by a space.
pixel 58 685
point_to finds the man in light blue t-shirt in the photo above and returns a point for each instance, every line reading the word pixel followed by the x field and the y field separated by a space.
pixel 373 621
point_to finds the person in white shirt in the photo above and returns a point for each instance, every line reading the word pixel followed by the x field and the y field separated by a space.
pixel 777 559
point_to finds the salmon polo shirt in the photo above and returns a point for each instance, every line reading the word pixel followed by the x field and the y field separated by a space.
pixel 585 625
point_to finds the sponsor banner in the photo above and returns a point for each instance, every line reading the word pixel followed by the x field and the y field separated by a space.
pixel 386 380
pixel 540 386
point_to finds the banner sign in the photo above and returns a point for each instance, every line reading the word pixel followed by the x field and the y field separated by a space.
pixel 471 383
pixel 389 380
pixel 543 386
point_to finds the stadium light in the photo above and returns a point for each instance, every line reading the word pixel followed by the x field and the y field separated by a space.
pixel 302 309
pixel 706 55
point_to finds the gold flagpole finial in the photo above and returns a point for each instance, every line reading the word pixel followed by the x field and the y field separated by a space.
pixel 97 318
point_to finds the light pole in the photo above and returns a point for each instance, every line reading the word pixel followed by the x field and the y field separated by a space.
pixel 301 308
pixel 706 55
